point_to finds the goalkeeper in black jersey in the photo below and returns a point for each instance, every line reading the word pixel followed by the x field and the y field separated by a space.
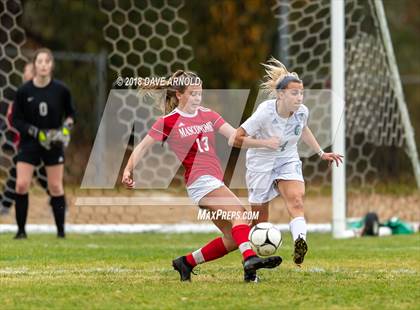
pixel 43 113
pixel 10 146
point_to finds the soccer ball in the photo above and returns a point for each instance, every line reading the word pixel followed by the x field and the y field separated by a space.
pixel 265 239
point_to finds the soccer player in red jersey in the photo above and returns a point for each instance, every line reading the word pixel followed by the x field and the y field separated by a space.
pixel 189 129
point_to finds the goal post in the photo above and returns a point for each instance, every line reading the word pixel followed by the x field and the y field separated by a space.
pixel 338 115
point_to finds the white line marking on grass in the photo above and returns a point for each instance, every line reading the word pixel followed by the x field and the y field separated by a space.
pixel 11 271
pixel 316 270
pixel 141 228
pixel 404 270
pixel 93 246
pixel 27 271
pixel 367 271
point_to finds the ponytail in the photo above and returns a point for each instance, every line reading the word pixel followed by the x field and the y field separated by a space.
pixel 277 76
pixel 178 81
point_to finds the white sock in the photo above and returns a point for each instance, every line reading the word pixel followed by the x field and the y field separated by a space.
pixel 298 228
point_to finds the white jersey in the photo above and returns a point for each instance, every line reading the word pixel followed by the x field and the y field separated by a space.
pixel 266 123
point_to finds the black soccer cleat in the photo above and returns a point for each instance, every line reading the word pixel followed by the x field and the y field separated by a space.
pixel 254 263
pixel 21 235
pixel 181 265
pixel 301 248
pixel 61 235
pixel 251 276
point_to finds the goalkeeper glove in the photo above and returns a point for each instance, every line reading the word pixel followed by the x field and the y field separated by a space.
pixel 42 136
pixel 61 137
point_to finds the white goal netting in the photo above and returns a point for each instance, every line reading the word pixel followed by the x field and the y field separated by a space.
pixel 148 38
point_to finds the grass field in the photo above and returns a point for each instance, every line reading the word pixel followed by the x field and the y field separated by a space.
pixel 134 271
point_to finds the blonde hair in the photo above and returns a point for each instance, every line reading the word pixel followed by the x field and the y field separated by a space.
pixel 276 72
pixel 178 81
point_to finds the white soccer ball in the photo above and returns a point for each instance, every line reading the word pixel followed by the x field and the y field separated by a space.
pixel 265 239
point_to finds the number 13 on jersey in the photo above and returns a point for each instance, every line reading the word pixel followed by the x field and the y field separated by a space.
pixel 203 145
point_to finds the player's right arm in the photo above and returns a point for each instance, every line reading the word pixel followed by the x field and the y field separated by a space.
pixel 18 116
pixel 25 128
pixel 135 157
pixel 241 139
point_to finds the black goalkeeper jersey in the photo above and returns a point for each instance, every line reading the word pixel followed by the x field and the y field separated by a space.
pixel 44 108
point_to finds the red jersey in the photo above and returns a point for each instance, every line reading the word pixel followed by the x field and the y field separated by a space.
pixel 192 138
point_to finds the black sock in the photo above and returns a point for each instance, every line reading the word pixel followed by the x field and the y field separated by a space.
pixel 58 205
pixel 21 211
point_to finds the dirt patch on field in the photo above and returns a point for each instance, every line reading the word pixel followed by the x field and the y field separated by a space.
pixel 318 209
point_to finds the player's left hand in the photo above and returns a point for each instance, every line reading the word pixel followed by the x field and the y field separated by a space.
pixel 333 157
pixel 61 137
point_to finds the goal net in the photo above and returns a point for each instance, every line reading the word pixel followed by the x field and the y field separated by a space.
pixel 148 38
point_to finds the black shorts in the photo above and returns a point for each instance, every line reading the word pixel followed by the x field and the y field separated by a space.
pixel 33 153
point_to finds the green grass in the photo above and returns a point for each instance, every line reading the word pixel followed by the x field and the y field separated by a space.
pixel 124 271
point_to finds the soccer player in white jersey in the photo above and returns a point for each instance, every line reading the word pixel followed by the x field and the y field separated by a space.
pixel 278 171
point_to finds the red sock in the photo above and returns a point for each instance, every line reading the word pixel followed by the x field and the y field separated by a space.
pixel 240 235
pixel 211 251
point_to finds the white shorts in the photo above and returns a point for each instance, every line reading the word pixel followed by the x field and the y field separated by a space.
pixel 202 186
pixel 262 186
